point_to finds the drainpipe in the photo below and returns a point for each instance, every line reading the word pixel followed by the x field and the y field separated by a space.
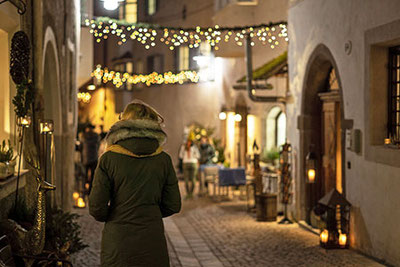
pixel 249 78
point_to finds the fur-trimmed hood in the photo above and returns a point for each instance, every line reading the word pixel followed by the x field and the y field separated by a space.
pixel 127 129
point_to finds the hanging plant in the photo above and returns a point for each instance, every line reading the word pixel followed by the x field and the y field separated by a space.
pixel 19 71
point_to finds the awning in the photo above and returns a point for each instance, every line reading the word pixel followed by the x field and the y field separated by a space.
pixel 273 67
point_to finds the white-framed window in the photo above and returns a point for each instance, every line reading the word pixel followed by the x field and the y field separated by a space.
pixel 183 58
pixel 128 11
pixel 151 7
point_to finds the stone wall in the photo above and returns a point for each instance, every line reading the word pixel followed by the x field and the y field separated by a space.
pixel 371 184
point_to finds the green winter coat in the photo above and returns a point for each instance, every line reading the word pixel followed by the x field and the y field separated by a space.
pixel 132 194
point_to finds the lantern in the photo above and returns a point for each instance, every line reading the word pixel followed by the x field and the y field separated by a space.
pixel 46 127
pixel 75 195
pixel 323 237
pixel 80 203
pixel 24 121
pixel 342 240
pixel 311 167
pixel 337 210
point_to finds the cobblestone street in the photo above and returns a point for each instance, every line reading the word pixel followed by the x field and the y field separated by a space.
pixel 224 234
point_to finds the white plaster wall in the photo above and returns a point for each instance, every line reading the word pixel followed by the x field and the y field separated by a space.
pixel 372 188
pixel 86 65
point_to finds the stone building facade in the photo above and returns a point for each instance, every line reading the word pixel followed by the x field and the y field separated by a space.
pixel 182 105
pixel 339 78
pixel 53 28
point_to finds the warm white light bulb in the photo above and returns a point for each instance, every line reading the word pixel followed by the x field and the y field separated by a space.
pixel 222 116
pixel 238 117
pixel 111 4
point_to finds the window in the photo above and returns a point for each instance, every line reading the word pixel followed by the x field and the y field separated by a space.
pixel 394 94
pixel 124 67
pixel 202 60
pixel 155 64
pixel 183 58
pixel 5 98
pixel 151 7
pixel 128 11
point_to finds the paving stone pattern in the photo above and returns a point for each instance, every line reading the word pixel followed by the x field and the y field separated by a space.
pixel 208 234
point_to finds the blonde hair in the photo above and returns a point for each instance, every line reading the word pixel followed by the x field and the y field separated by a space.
pixel 138 110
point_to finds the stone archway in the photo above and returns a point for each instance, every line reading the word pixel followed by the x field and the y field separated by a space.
pixel 53 107
pixel 314 131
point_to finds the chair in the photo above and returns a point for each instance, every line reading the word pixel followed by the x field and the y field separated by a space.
pixel 211 177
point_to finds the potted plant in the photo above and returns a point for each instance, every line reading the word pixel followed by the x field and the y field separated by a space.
pixel 7 160
pixel 270 156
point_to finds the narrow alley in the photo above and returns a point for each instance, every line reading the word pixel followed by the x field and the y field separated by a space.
pixel 223 234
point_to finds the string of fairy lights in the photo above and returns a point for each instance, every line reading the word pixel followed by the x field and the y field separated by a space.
pixel 119 78
pixel 271 34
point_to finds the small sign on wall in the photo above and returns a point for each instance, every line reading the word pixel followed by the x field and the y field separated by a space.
pixel 353 140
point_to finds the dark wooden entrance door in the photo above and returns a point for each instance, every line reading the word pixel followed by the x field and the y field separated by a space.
pixel 331 141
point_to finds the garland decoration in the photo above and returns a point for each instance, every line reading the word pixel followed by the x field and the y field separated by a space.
pixel 271 34
pixel 118 78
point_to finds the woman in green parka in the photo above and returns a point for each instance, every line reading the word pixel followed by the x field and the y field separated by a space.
pixel 134 187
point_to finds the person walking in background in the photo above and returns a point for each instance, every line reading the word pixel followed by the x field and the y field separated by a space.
pixel 90 148
pixel 207 153
pixel 134 187
pixel 190 156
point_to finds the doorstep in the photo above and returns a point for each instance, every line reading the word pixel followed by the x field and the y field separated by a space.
pixel 308 227
pixel 8 186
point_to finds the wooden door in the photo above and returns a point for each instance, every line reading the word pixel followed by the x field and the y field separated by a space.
pixel 331 141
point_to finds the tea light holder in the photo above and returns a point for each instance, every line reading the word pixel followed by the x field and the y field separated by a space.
pixel 24 121
pixel 46 127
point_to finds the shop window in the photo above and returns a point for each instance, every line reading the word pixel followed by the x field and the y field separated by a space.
pixel 155 64
pixel 151 7
pixel 128 11
pixel 394 94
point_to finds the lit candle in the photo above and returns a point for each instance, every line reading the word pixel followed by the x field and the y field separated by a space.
pixel 324 236
pixel 46 127
pixel 387 141
pixel 24 121
pixel 342 240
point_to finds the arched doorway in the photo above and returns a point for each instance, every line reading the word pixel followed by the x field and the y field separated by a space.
pixel 52 109
pixel 320 128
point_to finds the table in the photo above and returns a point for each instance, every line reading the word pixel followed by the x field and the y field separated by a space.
pixel 232 176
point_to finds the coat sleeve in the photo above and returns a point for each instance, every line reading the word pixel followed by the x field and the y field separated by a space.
pixel 100 194
pixel 170 196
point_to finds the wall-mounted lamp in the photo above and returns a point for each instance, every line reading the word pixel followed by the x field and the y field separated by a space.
pixel 238 117
pixel 311 166
pixel 222 115
pixel 111 4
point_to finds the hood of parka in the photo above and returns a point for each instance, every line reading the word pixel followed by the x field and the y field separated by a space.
pixel 141 137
